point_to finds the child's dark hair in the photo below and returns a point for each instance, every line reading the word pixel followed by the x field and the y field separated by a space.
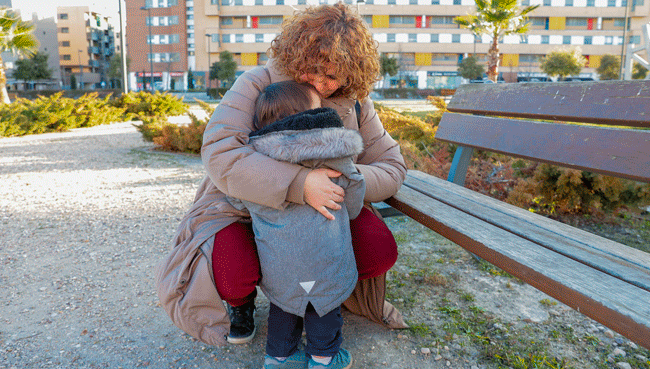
pixel 280 100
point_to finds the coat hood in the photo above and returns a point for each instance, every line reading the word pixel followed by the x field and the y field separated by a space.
pixel 312 134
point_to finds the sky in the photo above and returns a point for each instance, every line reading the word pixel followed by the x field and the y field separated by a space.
pixel 47 8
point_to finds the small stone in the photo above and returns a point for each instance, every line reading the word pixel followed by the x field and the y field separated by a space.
pixel 448 363
pixel 413 352
pixel 632 345
pixel 623 365
pixel 609 333
pixel 425 350
pixel 438 357
pixel 618 352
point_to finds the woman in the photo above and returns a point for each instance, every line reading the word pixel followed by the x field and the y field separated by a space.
pixel 330 48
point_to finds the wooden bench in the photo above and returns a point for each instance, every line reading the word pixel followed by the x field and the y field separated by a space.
pixel 603 279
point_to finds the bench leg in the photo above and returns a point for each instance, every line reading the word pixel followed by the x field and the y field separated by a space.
pixel 459 165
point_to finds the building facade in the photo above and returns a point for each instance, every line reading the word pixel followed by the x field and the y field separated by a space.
pixel 420 34
pixel 86 44
pixel 158 43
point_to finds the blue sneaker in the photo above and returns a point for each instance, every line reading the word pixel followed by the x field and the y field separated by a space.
pixel 342 360
pixel 296 361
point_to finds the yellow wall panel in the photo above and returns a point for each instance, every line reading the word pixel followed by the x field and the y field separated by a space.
pixel 422 59
pixel 380 21
pixel 594 61
pixel 556 23
pixel 510 60
pixel 249 59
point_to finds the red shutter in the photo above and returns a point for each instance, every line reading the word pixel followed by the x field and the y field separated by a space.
pixel 255 21
pixel 418 21
pixel 590 23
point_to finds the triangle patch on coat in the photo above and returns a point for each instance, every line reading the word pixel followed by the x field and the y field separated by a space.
pixel 307 286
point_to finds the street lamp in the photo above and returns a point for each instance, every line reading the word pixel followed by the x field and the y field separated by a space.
pixel 148 9
pixel 81 70
pixel 209 81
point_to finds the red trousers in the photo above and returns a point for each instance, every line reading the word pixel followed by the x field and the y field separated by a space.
pixel 236 266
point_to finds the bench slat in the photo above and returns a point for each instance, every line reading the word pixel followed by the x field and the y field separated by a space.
pixel 618 152
pixel 606 299
pixel 621 261
pixel 605 102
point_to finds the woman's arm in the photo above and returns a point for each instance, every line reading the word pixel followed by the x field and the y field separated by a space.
pixel 381 162
pixel 232 165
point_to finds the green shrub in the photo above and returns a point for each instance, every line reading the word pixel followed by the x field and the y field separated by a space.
pixel 186 138
pixel 55 113
pixel 551 189
pixel 145 104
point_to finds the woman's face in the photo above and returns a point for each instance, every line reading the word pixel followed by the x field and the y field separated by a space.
pixel 325 83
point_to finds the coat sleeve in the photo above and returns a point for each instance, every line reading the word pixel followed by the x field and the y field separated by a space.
pixel 381 162
pixel 232 164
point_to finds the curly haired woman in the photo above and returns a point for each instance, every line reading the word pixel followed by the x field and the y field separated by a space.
pixel 214 255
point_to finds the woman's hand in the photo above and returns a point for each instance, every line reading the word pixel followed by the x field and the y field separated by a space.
pixel 321 193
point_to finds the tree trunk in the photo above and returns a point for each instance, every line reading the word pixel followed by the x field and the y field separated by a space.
pixel 493 59
pixel 4 96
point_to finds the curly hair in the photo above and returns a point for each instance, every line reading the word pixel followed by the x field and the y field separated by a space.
pixel 325 35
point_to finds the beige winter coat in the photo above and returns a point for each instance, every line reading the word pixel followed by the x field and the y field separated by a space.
pixel 184 278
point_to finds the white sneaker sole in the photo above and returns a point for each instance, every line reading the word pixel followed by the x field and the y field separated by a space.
pixel 239 341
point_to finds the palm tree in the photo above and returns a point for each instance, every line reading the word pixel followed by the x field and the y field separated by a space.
pixel 496 18
pixel 16 36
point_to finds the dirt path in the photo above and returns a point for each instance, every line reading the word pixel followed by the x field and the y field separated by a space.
pixel 85 217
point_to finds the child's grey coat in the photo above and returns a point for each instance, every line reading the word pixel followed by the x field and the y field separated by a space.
pixel 306 258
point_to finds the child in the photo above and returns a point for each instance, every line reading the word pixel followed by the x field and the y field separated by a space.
pixel 307 261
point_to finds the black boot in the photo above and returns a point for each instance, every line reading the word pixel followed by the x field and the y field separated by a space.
pixel 242 323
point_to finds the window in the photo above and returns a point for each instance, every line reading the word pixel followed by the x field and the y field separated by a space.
pixel 190 16
pixel 190 8
pixel 66 57
pixel 270 21
pixel 398 19
pixel 435 37
pixel 65 43
pixel 190 35
pixel 609 40
pixel 545 40
pixel 611 3
pixel 568 2
pixel 413 37
pixel 619 22
pixel 190 27
pixel 190 53
pixel 279 2
pixel 190 46
pixel 591 2
pixel 392 2
pixel 302 2
pixel 455 38
pixel 547 2
pixel 456 2
pixel 259 2
pixel 577 22
pixel 390 37
pixel 435 2
pixel 215 37
pixel 226 21
pixel 63 16
pixel 523 39
pixel 239 38
pixel 64 30
pixel 413 2
pixel 442 20
pixel 525 2
pixel 225 38
pixel 566 40
pixel 259 37
pixel 635 40
pixel 588 40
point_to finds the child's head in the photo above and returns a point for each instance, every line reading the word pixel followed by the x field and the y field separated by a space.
pixel 282 99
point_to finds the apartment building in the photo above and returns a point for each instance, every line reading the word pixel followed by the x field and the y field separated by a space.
pixel 420 34
pixel 159 39
pixel 86 44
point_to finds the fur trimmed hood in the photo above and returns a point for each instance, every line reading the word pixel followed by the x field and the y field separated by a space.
pixel 312 134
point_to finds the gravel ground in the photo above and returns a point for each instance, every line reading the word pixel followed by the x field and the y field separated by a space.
pixel 86 216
